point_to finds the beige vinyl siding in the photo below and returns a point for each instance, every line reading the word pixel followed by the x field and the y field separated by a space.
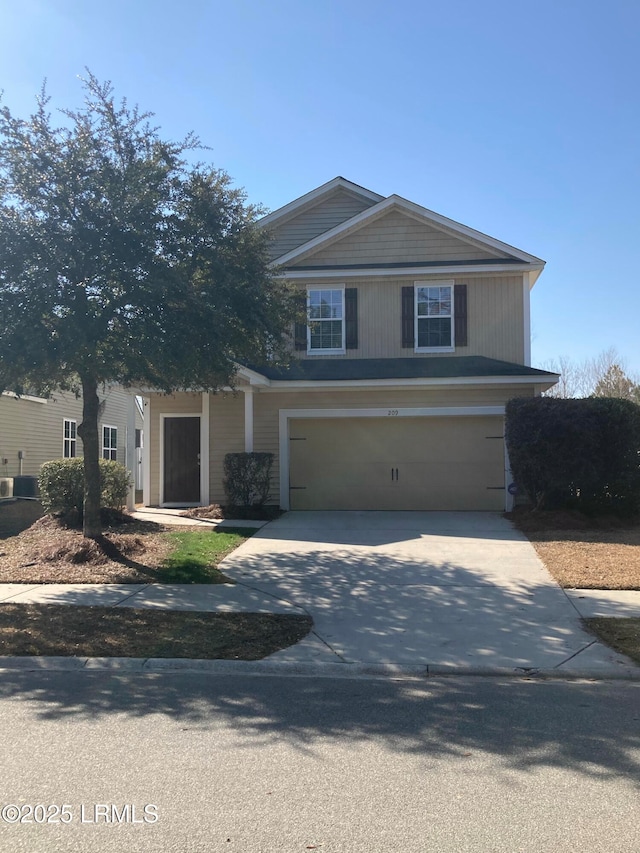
pixel 226 432
pixel 396 238
pixel 495 317
pixel 36 428
pixel 267 407
pixel 313 221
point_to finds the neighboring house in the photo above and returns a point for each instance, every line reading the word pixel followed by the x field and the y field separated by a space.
pixel 418 335
pixel 34 430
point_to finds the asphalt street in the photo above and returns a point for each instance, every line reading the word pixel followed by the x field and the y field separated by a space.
pixel 192 762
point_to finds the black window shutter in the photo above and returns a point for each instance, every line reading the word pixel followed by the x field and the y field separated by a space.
pixel 460 314
pixel 408 309
pixel 351 317
pixel 300 331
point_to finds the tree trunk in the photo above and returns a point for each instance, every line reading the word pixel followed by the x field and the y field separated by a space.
pixel 88 432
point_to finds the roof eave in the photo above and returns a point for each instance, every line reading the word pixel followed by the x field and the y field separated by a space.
pixel 420 382
pixel 444 269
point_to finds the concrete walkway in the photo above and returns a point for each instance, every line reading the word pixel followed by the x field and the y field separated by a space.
pixel 174 518
pixel 446 590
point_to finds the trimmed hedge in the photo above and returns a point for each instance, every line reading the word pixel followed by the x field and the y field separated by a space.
pixel 61 484
pixel 576 454
pixel 247 478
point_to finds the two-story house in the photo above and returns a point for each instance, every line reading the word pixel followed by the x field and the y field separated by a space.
pixel 418 333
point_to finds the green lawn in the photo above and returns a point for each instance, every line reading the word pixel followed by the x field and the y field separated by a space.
pixel 198 553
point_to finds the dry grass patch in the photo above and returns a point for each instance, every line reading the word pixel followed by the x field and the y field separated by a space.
pixel 56 629
pixel 623 635
pixel 583 553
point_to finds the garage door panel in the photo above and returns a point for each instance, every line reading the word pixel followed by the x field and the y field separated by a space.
pixel 397 463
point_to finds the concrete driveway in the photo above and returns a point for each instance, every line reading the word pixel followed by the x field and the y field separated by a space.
pixel 445 589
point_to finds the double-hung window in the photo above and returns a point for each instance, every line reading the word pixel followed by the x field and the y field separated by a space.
pixel 109 442
pixel 326 328
pixel 69 438
pixel 434 331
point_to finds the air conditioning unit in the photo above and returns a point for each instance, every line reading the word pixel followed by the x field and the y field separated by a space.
pixel 6 487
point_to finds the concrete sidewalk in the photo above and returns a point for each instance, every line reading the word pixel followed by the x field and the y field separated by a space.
pixel 238 597
pixel 223 598
pixel 174 518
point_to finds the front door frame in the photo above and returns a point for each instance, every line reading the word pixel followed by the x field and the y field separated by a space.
pixel 204 454
pixel 285 415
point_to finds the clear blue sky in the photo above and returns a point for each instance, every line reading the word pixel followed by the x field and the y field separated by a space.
pixel 519 119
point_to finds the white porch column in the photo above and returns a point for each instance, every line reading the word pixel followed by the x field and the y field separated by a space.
pixel 130 449
pixel 146 452
pixel 204 451
pixel 248 419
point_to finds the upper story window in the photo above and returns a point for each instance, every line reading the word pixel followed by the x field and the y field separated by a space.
pixel 69 438
pixel 326 329
pixel 434 329
pixel 109 442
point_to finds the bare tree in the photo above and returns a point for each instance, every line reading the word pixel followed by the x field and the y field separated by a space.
pixel 604 375
pixel 573 380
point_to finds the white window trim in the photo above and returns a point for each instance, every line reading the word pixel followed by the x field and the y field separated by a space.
pixel 70 440
pixel 28 397
pixel 343 348
pixel 109 426
pixel 430 283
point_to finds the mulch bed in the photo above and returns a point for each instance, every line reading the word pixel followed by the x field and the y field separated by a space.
pixel 51 552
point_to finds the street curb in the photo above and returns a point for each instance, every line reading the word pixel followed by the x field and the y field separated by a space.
pixel 292 669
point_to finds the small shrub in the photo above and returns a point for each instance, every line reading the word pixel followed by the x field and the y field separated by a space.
pixel 115 483
pixel 61 484
pixel 576 454
pixel 247 478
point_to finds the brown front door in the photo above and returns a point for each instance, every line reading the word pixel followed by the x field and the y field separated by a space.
pixel 181 460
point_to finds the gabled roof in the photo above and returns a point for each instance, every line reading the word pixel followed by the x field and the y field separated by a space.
pixel 314 197
pixel 433 367
pixel 435 220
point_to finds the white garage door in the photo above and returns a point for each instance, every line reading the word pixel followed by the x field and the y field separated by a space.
pixel 397 463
